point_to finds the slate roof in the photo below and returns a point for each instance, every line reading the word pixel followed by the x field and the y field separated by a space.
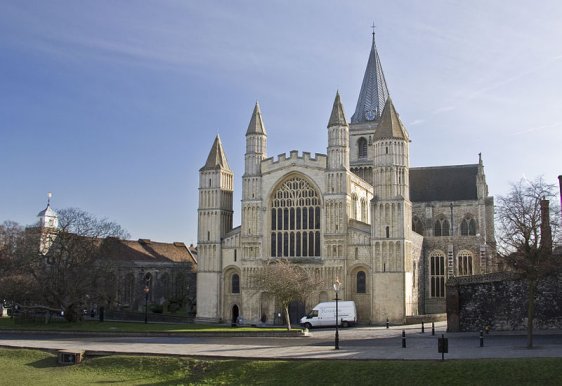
pixel 443 183
pixel 145 250
pixel 373 92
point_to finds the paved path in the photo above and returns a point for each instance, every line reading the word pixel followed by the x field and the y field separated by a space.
pixel 355 343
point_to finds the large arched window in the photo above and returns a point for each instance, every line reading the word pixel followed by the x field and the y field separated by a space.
pixel 362 147
pixel 295 219
pixel 441 227
pixel 361 282
pixel 468 227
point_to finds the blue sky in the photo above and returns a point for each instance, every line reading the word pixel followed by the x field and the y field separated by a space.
pixel 114 105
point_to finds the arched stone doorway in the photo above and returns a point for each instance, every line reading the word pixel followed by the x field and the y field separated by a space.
pixel 235 314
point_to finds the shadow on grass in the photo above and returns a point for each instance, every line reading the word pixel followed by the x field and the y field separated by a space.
pixel 44 363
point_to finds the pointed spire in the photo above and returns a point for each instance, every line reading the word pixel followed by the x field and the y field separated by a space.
pixel 256 125
pixel 217 157
pixel 390 125
pixel 374 91
pixel 337 118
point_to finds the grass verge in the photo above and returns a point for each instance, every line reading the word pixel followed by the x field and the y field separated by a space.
pixel 30 367
pixel 109 326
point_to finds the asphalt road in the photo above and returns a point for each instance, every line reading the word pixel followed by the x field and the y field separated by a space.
pixel 355 343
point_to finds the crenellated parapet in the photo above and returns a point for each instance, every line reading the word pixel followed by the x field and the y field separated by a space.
pixel 282 161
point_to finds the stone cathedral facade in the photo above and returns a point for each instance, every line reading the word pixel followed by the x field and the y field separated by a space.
pixel 392 234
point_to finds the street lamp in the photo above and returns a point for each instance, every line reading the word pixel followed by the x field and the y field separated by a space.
pixel 146 291
pixel 337 286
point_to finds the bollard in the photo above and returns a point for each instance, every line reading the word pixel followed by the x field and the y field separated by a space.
pixel 432 328
pixel 386 322
pixel 403 338
pixel 481 338
pixel 423 328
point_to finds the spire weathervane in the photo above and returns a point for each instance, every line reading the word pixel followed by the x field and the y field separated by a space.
pixel 373 27
pixel 49 195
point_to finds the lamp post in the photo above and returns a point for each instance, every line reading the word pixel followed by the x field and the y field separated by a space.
pixel 337 286
pixel 146 291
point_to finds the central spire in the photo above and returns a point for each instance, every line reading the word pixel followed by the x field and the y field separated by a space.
pixel 374 91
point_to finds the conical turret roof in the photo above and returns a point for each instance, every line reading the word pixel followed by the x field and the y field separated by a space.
pixel 256 125
pixel 390 125
pixel 217 157
pixel 337 118
pixel 374 91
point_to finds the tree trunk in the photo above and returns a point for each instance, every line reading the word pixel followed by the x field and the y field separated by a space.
pixel 532 283
pixel 288 318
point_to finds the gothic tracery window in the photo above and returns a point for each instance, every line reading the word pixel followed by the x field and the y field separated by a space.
pixel 441 227
pixel 295 219
pixel 468 227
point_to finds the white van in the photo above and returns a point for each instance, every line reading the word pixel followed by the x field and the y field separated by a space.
pixel 324 314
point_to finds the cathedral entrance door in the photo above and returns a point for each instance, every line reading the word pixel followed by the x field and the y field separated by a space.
pixel 235 314
pixel 296 312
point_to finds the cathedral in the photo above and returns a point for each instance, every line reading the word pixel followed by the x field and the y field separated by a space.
pixel 391 233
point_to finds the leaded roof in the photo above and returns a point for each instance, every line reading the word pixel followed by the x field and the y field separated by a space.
pixel 444 183
pixel 374 91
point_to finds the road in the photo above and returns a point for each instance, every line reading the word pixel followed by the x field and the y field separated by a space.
pixel 355 343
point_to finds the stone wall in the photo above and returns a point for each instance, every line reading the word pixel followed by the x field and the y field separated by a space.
pixel 499 301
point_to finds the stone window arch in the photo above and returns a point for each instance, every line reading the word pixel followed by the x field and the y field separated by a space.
pixel 354 205
pixel 361 282
pixel 468 226
pixel 417 225
pixel 235 283
pixel 295 219
pixel 441 227
pixel 362 147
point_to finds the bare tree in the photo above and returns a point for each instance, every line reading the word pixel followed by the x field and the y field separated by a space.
pixel 69 263
pixel 527 230
pixel 287 282
pixel 16 283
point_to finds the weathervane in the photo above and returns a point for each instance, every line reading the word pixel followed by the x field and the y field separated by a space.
pixel 49 195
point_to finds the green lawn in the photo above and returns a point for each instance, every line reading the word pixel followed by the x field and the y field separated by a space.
pixel 95 326
pixel 29 367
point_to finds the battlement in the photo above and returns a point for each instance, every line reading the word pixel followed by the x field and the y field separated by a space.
pixel 293 159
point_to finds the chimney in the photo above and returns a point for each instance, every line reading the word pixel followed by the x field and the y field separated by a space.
pixel 546 233
pixel 560 190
